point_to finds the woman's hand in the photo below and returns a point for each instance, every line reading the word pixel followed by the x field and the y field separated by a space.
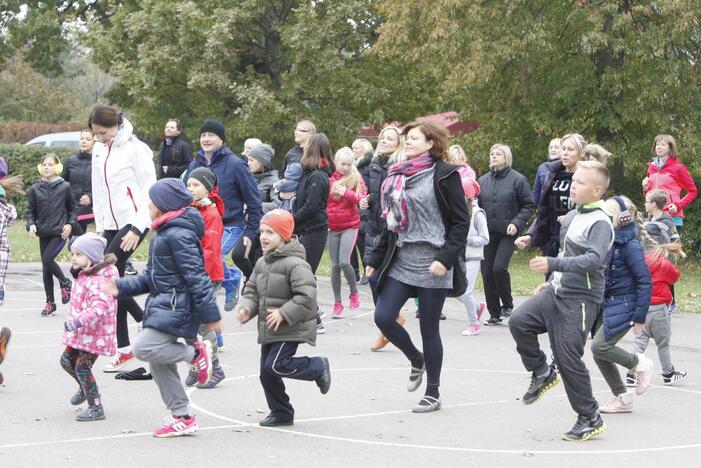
pixel 672 208
pixel 66 231
pixel 369 271
pixel 437 268
pixel 84 200
pixel 638 328
pixel 129 242
pixel 523 241
pixel 33 230
pixel 646 184
pixel 511 230
pixel 560 219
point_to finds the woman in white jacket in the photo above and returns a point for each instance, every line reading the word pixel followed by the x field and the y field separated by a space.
pixel 122 173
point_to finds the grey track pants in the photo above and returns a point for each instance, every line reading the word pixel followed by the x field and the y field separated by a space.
pixel 163 352
pixel 567 321
pixel 341 244
pixel 658 326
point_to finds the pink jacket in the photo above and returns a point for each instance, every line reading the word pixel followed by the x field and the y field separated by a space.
pixel 673 177
pixel 344 212
pixel 96 311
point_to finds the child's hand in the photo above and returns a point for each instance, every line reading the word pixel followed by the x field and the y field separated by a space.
pixel 539 264
pixel 540 287
pixel 244 315
pixel 110 288
pixel 214 325
pixel 369 271
pixel 364 202
pixel 638 328
pixel 274 319
pixel 72 325
pixel 66 231
pixel 33 230
pixel 286 195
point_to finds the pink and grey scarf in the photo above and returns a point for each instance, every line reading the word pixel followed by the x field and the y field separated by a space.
pixel 393 190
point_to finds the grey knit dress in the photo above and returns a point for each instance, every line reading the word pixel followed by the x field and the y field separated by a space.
pixel 425 235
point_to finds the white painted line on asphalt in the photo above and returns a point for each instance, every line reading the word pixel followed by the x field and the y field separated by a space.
pixel 108 437
pixel 34 282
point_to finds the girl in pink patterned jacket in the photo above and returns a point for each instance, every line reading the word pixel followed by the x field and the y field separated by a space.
pixel 91 323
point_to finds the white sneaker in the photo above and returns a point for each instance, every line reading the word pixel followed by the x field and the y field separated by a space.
pixel 120 361
pixel 622 403
pixel 320 328
pixel 643 374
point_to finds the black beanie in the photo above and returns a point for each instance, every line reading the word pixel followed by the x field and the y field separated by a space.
pixel 205 176
pixel 214 126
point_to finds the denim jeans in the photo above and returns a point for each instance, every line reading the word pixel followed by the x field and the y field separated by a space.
pixel 232 275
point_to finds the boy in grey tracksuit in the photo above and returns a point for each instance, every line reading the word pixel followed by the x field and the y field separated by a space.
pixel 567 306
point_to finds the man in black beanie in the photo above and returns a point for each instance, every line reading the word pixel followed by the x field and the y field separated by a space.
pixel 238 190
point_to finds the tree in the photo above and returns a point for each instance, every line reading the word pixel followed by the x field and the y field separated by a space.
pixel 617 71
pixel 258 65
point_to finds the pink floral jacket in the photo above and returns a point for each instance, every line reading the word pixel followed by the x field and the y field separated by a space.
pixel 96 311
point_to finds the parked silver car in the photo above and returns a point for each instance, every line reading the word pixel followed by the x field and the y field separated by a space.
pixel 56 140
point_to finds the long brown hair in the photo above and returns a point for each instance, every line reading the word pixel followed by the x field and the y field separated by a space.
pixel 435 132
pixel 317 153
pixel 105 116
pixel 12 185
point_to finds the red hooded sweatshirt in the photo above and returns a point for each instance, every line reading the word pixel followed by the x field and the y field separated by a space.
pixel 664 274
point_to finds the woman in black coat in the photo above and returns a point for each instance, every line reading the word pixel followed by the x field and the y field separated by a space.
pixel 506 198
pixel 77 171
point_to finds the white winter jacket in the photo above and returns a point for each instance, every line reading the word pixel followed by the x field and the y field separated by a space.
pixel 122 173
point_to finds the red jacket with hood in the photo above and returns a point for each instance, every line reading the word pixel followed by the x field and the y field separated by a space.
pixel 673 177
pixel 211 209
pixel 664 274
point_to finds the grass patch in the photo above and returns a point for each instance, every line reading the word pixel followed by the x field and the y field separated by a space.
pixel 523 281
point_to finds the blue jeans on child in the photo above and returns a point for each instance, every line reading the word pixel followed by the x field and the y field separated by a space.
pixel 232 275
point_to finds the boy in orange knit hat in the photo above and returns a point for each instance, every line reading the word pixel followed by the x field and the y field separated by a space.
pixel 282 292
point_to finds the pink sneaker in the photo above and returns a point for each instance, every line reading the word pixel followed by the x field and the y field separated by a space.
pixel 203 362
pixel 177 426
pixel 472 330
pixel 480 310
pixel 354 301
pixel 337 311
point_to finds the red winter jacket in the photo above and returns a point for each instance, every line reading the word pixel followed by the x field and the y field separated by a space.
pixel 664 274
pixel 673 177
pixel 343 212
pixel 213 230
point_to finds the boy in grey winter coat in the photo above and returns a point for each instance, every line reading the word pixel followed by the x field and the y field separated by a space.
pixel 567 306
pixel 282 293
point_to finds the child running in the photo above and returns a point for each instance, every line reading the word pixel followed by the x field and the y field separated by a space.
pixel 282 293
pixel 658 323
pixel 50 217
pixel 180 298
pixel 5 335
pixel 626 300
pixel 566 307
pixel 477 238
pixel 347 189
pixel 202 183
pixel 8 216
pixel 90 327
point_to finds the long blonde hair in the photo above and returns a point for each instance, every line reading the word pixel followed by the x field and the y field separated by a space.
pixel 12 185
pixel 353 179
pixel 398 154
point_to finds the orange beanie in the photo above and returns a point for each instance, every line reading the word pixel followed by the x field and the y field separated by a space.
pixel 280 221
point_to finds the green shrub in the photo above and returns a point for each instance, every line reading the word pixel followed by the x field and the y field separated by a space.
pixel 22 160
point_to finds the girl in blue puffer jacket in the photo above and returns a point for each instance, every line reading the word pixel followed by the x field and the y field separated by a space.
pixel 180 299
pixel 626 302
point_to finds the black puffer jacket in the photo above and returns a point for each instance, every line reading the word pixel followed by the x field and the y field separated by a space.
pixel 364 168
pixel 312 195
pixel 176 157
pixel 51 207
pixel 372 218
pixel 456 220
pixel 180 293
pixel 77 171
pixel 506 198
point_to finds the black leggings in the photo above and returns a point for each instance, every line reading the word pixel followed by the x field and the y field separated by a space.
pixel 495 272
pixel 389 303
pixel 50 248
pixel 314 244
pixel 114 238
